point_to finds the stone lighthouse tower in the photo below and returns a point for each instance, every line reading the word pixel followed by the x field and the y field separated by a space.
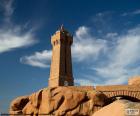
pixel 61 64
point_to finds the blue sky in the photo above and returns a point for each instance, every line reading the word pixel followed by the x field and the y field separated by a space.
pixel 105 50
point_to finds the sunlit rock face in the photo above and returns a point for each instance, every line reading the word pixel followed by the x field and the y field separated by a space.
pixel 134 80
pixel 60 101
pixel 119 108
pixel 18 104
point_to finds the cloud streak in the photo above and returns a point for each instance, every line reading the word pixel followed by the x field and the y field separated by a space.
pixel 8 9
pixel 12 35
pixel 136 12
pixel 38 59
pixel 122 63
pixel 10 40
pixel 86 46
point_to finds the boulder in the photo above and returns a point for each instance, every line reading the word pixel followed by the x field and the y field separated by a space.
pixel 18 104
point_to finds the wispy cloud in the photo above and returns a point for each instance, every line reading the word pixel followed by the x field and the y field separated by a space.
pixel 12 35
pixel 86 46
pixel 10 40
pixel 8 9
pixel 38 59
pixel 136 12
pixel 123 59
pixel 119 62
pixel 83 82
pixel 111 35
pixel 102 22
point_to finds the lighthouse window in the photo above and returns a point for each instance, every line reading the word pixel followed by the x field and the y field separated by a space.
pixel 57 42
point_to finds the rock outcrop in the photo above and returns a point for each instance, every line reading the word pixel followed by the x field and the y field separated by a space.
pixel 119 108
pixel 60 101
pixel 18 104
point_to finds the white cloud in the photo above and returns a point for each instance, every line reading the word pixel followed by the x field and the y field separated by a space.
pixel 8 7
pixel 11 35
pixel 10 40
pixel 111 35
pixel 84 82
pixel 127 50
pixel 122 59
pixel 86 46
pixel 38 59
pixel 136 12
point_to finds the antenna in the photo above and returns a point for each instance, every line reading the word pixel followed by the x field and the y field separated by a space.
pixel 62 27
